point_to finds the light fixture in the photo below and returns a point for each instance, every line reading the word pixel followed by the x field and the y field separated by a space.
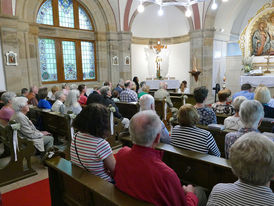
pixel 161 3
pixel 141 7
pixel 160 12
pixel 188 12
pixel 214 5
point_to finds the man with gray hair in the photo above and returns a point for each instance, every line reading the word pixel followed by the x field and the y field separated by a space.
pixel 120 86
pixel 147 102
pixel 58 105
pixel 251 115
pixel 140 171
pixel 252 161
pixel 128 95
pixel 162 93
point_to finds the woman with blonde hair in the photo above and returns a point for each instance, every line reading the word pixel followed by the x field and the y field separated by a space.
pixel 262 94
pixel 187 136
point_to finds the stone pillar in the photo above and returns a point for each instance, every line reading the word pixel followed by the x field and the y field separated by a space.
pixel 119 46
pixel 201 46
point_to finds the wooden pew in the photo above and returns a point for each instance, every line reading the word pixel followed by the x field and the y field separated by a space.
pixel 128 109
pixel 160 108
pixel 267 125
pixel 20 169
pixel 194 167
pixel 177 101
pixel 72 185
pixel 221 118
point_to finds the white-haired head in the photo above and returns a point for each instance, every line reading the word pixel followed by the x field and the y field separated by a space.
pixel 18 103
pixel 144 127
pixel 7 97
pixel 147 102
pixel 251 113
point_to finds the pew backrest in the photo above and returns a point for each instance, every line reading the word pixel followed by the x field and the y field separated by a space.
pixel 161 108
pixel 128 110
pixel 72 185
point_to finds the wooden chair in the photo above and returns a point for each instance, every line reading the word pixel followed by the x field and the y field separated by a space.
pixel 72 185
pixel 128 110
pixel 18 169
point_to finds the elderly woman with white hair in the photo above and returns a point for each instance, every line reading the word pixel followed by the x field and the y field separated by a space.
pixel 41 139
pixel 6 111
pixel 147 103
pixel 262 94
pixel 251 115
pixel 72 103
pixel 234 122
pixel 252 161
pixel 58 105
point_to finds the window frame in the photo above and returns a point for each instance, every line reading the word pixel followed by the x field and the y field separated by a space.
pixel 60 60
pixel 58 44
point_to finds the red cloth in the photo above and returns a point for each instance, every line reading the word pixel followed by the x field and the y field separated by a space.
pixel 141 173
pixel 83 100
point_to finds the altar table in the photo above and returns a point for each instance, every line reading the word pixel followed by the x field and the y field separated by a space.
pixel 257 80
pixel 154 84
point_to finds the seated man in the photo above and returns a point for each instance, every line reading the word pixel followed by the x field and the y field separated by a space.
pixel 32 96
pixel 162 93
pixel 252 161
pixel 245 91
pixel 95 96
pixel 128 95
pixel 251 115
pixel 146 102
pixel 140 171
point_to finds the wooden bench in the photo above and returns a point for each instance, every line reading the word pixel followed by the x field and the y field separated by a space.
pixel 72 185
pixel 194 167
pixel 221 118
pixel 160 108
pixel 128 110
pixel 14 170
pixel 177 101
pixel 267 125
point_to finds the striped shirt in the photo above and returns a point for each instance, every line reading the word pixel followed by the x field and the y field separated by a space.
pixel 92 151
pixel 239 193
pixel 195 139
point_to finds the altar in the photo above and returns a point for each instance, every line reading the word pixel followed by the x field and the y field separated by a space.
pixel 257 80
pixel 171 84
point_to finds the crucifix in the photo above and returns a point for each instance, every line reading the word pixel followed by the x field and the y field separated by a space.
pixel 158 48
pixel 267 64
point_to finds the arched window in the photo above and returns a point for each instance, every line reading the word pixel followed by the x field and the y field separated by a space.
pixel 63 59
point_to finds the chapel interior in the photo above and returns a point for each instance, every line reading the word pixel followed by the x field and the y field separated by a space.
pixel 204 42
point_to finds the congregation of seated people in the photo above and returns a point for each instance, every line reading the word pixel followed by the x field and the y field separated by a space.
pixel 148 178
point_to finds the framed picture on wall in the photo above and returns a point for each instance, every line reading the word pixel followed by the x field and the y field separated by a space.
pixel 11 58
pixel 127 60
pixel 115 60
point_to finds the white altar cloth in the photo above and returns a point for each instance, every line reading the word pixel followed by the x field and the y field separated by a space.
pixel 257 80
pixel 171 84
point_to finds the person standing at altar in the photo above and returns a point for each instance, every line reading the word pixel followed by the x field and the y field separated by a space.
pixel 136 81
pixel 183 87
pixel 261 40
pixel 246 91
pixel 128 95
pixel 162 93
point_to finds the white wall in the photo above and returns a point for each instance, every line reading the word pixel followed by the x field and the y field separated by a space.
pixel 149 25
pixel 179 65
pixel 2 75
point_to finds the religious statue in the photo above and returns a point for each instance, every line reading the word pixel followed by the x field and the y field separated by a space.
pixel 270 28
pixel 158 67
pixel 159 58
pixel 261 40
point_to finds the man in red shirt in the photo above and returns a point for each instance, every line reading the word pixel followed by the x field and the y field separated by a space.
pixel 140 171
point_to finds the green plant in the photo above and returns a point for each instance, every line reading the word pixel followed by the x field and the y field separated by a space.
pixel 247 64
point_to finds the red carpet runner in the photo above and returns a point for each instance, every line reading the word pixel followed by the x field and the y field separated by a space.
pixel 36 194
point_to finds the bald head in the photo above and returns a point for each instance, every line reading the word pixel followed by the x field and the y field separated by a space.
pixel 163 85
pixel 146 102
pixel 144 128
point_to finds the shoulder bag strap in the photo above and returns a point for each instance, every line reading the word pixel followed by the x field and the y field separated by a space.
pixel 78 154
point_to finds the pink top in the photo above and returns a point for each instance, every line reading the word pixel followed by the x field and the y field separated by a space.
pixel 83 99
pixel 6 113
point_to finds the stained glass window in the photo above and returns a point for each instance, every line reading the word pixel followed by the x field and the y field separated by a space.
pixel 66 16
pixel 45 15
pixel 88 61
pixel 47 60
pixel 69 58
pixel 84 22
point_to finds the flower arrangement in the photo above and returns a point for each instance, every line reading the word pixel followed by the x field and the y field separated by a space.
pixel 247 64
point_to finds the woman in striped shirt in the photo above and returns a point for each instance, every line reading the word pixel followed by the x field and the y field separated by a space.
pixel 89 149
pixel 188 136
